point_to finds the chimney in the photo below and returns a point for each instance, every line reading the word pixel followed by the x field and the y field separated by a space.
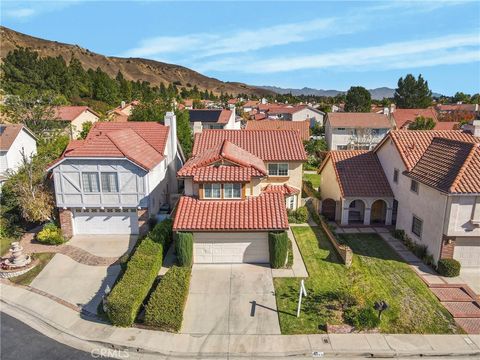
pixel 386 110
pixel 197 127
pixel 392 108
pixel 122 104
pixel 171 121
pixel 473 127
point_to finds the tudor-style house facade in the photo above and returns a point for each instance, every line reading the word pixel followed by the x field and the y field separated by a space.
pixel 117 178
pixel 238 185
pixel 355 131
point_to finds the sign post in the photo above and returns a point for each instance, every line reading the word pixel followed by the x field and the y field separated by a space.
pixel 303 292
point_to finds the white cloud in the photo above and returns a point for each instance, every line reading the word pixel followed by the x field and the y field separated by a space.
pixel 208 44
pixel 20 13
pixel 452 49
pixel 23 10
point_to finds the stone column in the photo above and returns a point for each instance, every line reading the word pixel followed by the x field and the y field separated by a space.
pixel 388 217
pixel 66 222
pixel 367 215
pixel 345 210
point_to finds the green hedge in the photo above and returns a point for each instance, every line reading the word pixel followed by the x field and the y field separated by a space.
pixel 125 300
pixel 165 307
pixel 278 244
pixel 448 267
pixel 298 216
pixel 163 234
pixel 50 234
pixel 184 248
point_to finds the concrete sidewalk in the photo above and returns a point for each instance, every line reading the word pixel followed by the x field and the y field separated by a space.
pixel 67 326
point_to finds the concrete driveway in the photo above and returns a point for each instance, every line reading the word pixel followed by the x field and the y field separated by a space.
pixel 104 245
pixel 231 299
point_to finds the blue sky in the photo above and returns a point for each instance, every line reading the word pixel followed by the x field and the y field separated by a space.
pixel 327 45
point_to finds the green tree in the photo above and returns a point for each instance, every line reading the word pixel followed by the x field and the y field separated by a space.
pixel 358 99
pixel 412 93
pixel 422 123
pixel 184 131
pixel 86 126
pixel 461 97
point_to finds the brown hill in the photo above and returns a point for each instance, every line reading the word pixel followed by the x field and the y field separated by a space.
pixel 152 71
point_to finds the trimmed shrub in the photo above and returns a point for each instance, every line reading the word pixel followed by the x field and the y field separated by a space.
pixel 167 302
pixel 309 190
pixel 126 298
pixel 399 234
pixel 448 267
pixel 184 248
pixel 50 234
pixel 278 245
pixel 162 233
pixel 298 216
pixel 362 318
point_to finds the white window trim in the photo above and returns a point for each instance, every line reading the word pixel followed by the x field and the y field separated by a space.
pixel 232 197
pixel 278 169
pixel 97 179
pixel 211 185
pixel 116 182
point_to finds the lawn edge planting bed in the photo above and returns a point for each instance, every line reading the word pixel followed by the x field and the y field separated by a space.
pixel 337 295
pixel 126 298
pixel 167 302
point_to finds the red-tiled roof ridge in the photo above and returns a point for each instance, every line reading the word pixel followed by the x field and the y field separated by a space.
pixel 284 189
pixel 463 170
pixel 237 155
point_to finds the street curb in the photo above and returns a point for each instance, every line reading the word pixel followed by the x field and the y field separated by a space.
pixel 71 339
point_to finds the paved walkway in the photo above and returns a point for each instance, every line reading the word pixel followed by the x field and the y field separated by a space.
pixel 459 299
pixel 68 326
pixel 298 267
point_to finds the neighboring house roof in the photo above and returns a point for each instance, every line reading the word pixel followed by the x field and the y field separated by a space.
pixel 358 120
pixel 412 144
pixel 358 173
pixel 224 162
pixel 447 125
pixel 232 101
pixel 220 116
pixel 450 166
pixel 70 113
pixel 251 103
pixel 268 145
pixel 8 134
pixel 458 107
pixel 282 189
pixel 264 212
pixel 259 116
pixel 404 116
pixel 303 127
pixel 143 143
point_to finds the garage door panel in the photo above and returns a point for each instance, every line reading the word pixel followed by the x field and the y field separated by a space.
pixel 103 223
pixel 467 251
pixel 231 248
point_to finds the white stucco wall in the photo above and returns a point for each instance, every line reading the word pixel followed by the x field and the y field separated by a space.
pixel 78 122
pixel 12 159
pixel 459 215
pixel 308 114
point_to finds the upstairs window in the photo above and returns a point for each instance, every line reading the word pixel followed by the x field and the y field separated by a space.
pixel 395 176
pixel 414 186
pixel 90 182
pixel 232 191
pixel 109 182
pixel 212 191
pixel 278 169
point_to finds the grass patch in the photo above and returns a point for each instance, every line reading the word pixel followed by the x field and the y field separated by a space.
pixel 314 179
pixel 5 242
pixel 376 274
pixel 27 278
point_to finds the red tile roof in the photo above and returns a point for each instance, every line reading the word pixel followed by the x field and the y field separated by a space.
pixel 447 125
pixel 282 189
pixel 224 162
pixel 141 142
pixel 458 107
pixel 358 120
pixel 359 173
pixel 403 116
pixel 285 109
pixel 264 212
pixel 70 113
pixel 251 103
pixel 8 134
pixel 411 144
pixel 268 145
pixel 303 127
pixel 450 166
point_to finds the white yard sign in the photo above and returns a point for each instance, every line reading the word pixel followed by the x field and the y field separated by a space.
pixel 303 292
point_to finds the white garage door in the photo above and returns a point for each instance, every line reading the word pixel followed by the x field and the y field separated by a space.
pixel 111 221
pixel 237 247
pixel 467 251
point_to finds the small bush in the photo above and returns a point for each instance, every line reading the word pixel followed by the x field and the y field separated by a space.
pixel 399 234
pixel 51 234
pixel 162 233
pixel 184 248
pixel 126 298
pixel 448 267
pixel 278 245
pixel 362 318
pixel 309 190
pixel 165 307
pixel 298 216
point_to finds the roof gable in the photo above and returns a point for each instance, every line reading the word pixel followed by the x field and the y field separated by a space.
pixel 10 132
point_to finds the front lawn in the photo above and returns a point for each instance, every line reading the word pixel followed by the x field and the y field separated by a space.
pixel 27 278
pixel 376 274
pixel 5 242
